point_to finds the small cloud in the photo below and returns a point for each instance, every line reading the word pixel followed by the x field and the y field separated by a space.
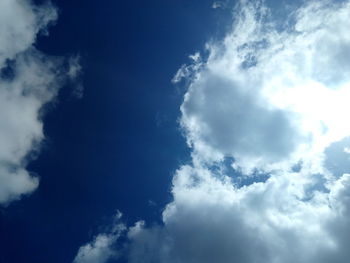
pixel 98 251
pixel 152 203
pixel 74 73
pixel 186 71
pixel 102 248
pixel 219 4
pixel 74 67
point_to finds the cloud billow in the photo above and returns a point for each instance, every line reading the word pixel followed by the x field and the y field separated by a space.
pixel 271 98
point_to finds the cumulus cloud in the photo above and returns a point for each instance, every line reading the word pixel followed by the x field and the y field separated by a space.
pixel 211 221
pixel 268 107
pixel 254 97
pixel 277 221
pixel 28 81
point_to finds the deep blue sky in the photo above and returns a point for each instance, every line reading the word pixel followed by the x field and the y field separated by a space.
pixel 118 146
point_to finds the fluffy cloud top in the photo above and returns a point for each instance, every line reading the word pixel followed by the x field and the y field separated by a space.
pixel 274 99
pixel 28 80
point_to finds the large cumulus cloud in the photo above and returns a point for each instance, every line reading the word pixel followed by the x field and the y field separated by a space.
pixel 28 80
pixel 273 98
pixel 267 95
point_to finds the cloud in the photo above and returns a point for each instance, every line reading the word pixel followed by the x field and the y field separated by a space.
pixel 102 248
pixel 254 97
pixel 20 22
pixel 74 73
pixel 29 80
pixel 219 4
pixel 267 106
pixel 212 221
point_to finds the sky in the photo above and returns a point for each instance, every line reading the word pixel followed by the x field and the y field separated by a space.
pixel 174 131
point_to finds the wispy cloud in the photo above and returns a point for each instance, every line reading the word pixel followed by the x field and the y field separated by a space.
pixel 219 4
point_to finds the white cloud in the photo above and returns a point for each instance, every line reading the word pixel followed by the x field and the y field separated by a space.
pixel 20 22
pixel 28 81
pixel 102 248
pixel 98 251
pixel 275 101
pixel 254 98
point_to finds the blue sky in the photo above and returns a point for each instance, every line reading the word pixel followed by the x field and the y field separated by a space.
pixel 174 131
